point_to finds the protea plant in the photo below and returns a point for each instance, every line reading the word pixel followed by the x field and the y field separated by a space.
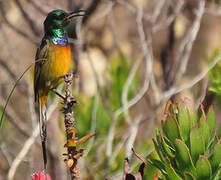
pixel 188 147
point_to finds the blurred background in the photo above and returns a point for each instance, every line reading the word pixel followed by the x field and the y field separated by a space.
pixel 131 56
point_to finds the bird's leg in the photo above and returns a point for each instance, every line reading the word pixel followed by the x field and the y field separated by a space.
pixel 43 133
pixel 58 94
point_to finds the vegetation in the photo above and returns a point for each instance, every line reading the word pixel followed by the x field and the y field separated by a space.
pixel 188 147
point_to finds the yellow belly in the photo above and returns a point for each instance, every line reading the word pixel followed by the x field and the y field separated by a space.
pixel 57 65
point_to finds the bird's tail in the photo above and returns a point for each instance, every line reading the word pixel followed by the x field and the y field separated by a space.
pixel 43 130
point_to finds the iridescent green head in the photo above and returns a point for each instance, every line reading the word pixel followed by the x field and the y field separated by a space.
pixel 55 25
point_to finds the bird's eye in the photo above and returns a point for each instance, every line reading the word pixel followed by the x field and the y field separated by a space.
pixel 61 16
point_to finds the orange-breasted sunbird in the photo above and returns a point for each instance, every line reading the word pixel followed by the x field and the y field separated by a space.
pixel 52 62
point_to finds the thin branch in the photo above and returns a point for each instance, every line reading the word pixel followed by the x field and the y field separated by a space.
pixel 202 94
pixel 22 153
pixel 26 16
pixel 190 84
pixel 148 60
pixel 6 153
pixel 118 147
pixel 133 133
pixel 156 91
pixel 165 23
pixel 98 86
pixel 106 11
pixel 213 11
pixel 19 31
pixel 157 11
pixel 90 10
pixel 33 115
pixel 185 48
pixel 93 124
pixel 132 9
pixel 124 97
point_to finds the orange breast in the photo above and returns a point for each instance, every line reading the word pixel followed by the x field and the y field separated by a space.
pixel 57 65
pixel 59 58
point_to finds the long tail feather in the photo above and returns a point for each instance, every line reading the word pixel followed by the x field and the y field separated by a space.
pixel 43 134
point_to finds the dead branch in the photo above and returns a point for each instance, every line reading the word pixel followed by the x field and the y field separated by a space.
pixel 73 154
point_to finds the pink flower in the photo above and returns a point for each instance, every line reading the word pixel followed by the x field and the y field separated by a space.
pixel 40 176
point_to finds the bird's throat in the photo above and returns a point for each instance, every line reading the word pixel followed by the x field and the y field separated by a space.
pixel 58 36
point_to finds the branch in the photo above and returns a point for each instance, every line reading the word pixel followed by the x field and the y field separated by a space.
pixel 185 48
pixel 157 11
pixel 22 33
pixel 133 130
pixel 147 51
pixel 26 16
pixel 164 23
pixel 21 155
pixel 126 87
pixel 98 86
pixel 70 127
pixel 73 154
pixel 190 84
pixel 90 10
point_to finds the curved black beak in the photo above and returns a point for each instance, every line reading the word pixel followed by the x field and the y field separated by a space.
pixel 75 14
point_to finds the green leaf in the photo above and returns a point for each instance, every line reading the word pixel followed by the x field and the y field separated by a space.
pixel 171 173
pixel 183 157
pixel 184 122
pixel 197 144
pixel 158 150
pixel 165 148
pixel 188 176
pixel 204 128
pixel 211 120
pixel 212 142
pixel 158 164
pixel 217 175
pixel 1 111
pixel 215 157
pixel 215 74
pixel 171 128
pixel 192 116
pixel 203 168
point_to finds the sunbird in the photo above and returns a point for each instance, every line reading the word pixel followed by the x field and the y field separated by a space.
pixel 52 62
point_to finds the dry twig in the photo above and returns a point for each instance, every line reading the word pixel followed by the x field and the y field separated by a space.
pixel 73 154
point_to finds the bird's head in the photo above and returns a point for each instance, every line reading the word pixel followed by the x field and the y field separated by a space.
pixel 59 19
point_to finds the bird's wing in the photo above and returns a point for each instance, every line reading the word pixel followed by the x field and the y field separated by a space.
pixel 41 56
